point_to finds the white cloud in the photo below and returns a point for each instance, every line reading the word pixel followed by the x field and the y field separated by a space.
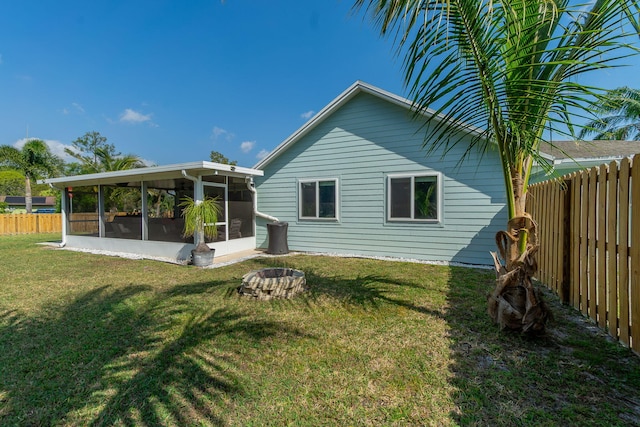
pixel 132 116
pixel 75 107
pixel 56 147
pixel 247 146
pixel 217 132
pixel 78 107
pixel 262 154
pixel 308 114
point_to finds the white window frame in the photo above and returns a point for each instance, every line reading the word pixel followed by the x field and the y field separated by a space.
pixel 317 216
pixel 413 176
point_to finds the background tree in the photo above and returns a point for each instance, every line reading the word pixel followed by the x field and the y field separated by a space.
pixel 619 111
pixel 218 157
pixel 509 69
pixel 34 160
pixel 11 183
pixel 95 155
pixel 85 150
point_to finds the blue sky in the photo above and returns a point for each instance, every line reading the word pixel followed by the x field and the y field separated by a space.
pixel 172 80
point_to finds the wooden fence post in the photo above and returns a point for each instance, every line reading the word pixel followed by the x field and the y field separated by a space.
pixel 635 254
pixel 565 281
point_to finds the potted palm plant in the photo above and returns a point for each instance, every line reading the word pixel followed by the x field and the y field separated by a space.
pixel 200 221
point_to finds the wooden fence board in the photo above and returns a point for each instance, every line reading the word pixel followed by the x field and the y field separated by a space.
pixel 30 223
pixel 584 228
pixel 556 250
pixel 545 237
pixel 623 250
pixel 574 247
pixel 560 247
pixel 635 255
pixel 592 236
pixel 601 257
pixel 612 254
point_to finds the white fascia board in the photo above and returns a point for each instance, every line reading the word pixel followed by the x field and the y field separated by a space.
pixel 155 172
pixel 339 101
pixel 588 160
pixel 547 156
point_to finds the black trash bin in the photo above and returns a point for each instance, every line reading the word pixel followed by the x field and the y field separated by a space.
pixel 278 238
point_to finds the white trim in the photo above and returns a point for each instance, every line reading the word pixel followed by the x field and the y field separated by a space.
pixel 156 172
pixel 440 198
pixel 225 188
pixel 317 181
pixel 338 102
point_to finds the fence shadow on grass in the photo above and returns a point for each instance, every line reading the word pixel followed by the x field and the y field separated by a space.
pixel 108 358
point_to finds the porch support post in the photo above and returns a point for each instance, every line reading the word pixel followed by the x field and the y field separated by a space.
pixel 65 215
pixel 144 211
pixel 101 224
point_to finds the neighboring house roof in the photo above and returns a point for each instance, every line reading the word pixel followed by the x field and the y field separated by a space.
pixel 353 90
pixel 588 151
pixel 35 200
pixel 154 173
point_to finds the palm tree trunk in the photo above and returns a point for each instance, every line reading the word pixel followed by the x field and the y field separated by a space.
pixel 515 303
pixel 28 200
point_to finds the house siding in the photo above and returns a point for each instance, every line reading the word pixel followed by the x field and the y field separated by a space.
pixel 360 144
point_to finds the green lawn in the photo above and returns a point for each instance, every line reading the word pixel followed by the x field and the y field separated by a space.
pixel 95 340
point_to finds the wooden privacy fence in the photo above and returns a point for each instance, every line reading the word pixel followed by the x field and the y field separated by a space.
pixel 30 223
pixel 589 231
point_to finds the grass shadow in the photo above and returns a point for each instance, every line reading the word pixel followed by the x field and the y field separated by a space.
pixel 361 289
pixel 573 375
pixel 369 343
pixel 125 356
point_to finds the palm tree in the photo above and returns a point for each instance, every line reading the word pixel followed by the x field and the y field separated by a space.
pixel 620 109
pixel 108 161
pixel 34 160
pixel 505 70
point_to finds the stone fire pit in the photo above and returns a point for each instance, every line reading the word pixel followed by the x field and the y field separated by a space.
pixel 271 283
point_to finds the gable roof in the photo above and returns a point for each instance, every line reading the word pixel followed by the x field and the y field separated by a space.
pixel 353 90
pixel 593 151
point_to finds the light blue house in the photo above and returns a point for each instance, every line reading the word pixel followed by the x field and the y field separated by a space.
pixel 355 180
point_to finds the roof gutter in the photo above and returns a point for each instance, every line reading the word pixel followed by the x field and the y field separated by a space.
pixel 249 181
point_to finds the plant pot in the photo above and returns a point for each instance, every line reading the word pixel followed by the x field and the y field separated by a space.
pixel 202 258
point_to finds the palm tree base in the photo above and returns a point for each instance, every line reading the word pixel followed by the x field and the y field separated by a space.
pixel 515 303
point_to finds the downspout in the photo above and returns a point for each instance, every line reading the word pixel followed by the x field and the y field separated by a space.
pixel 196 188
pixel 63 241
pixel 251 188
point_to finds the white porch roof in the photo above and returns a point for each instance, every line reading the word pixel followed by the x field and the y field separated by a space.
pixel 155 173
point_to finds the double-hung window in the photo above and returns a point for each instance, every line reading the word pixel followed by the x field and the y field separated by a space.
pixel 413 197
pixel 318 199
